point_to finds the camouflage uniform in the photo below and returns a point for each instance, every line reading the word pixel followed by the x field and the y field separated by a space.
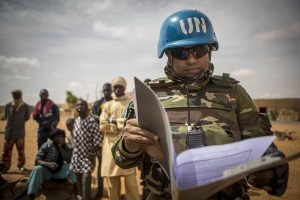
pixel 219 105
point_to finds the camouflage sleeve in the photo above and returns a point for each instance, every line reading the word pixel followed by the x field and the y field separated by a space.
pixel 247 115
pixel 253 125
pixel 122 157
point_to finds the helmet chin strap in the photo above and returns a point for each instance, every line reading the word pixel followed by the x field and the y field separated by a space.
pixel 209 53
pixel 170 59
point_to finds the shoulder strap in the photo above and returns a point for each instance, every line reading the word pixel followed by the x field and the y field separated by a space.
pixel 160 82
pixel 224 80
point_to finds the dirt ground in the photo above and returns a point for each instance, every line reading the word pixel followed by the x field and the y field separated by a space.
pixel 287 146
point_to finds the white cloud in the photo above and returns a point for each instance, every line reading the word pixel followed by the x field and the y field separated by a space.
pixel 82 39
pixel 19 63
pixel 90 85
pixel 57 75
pixel 21 77
pixel 50 90
pixel 74 84
pixel 239 73
pixel 99 6
pixel 291 31
pixel 4 78
pixel 16 77
pixel 114 31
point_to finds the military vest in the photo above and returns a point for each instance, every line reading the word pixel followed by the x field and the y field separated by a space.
pixel 211 107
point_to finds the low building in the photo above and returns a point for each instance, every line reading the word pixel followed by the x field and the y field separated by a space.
pixel 285 109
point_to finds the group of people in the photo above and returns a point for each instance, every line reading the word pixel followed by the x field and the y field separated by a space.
pixel 57 159
pixel 73 157
pixel 194 99
pixel 17 113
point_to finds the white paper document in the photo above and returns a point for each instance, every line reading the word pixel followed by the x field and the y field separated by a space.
pixel 200 166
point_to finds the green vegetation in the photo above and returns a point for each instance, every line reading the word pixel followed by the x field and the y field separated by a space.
pixel 71 99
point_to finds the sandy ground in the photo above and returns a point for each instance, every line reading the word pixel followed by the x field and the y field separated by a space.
pixel 287 146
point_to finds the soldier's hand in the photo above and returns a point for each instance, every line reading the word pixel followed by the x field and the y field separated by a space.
pixel 273 180
pixel 134 137
pixel 262 179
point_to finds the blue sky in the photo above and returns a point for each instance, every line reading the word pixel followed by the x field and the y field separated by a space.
pixel 76 45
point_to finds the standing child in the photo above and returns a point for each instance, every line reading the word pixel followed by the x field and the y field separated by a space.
pixel 86 139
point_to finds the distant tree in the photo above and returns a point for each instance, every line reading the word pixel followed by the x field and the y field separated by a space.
pixel 71 99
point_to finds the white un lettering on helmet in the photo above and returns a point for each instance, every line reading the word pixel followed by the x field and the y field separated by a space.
pixel 191 25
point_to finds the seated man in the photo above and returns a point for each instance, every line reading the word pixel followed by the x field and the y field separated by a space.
pixel 52 161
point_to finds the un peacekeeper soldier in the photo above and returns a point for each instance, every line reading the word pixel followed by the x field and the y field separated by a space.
pixel 215 109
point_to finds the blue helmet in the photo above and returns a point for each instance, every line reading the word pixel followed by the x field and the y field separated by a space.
pixel 186 28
